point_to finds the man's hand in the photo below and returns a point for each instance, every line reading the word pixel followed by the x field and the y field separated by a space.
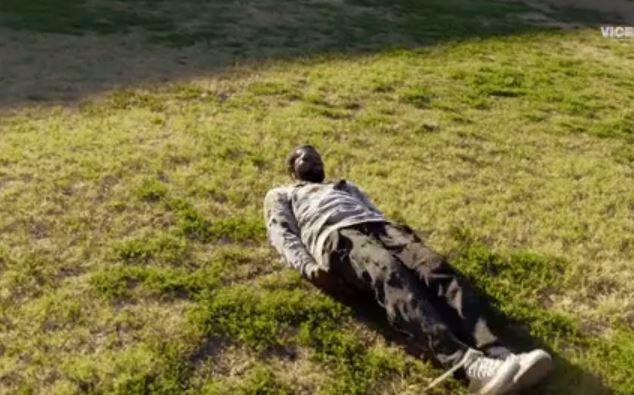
pixel 326 281
pixel 319 276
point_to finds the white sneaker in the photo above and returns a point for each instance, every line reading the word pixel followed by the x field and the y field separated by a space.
pixel 488 376
pixel 534 366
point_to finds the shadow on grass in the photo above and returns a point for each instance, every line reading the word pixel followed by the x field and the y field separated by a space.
pixel 66 50
pixel 566 378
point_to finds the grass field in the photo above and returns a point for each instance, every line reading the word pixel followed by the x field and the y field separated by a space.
pixel 138 138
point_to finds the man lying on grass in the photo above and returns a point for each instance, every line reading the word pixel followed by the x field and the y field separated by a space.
pixel 333 234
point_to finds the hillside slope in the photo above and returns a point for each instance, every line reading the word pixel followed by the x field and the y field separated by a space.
pixel 137 141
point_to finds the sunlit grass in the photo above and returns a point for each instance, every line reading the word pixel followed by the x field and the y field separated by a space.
pixel 133 253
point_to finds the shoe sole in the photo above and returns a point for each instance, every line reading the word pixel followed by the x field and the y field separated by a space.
pixel 500 383
pixel 535 372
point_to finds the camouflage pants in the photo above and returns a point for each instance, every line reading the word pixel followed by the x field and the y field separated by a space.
pixel 423 296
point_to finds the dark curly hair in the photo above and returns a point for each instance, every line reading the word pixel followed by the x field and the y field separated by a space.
pixel 292 157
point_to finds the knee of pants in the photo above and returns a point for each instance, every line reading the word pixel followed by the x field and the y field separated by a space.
pixel 402 289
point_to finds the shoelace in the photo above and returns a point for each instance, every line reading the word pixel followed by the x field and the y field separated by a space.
pixel 483 367
pixel 470 356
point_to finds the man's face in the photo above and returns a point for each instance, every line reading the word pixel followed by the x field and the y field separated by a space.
pixel 309 166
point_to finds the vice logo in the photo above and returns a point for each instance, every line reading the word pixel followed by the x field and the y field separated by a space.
pixel 617 31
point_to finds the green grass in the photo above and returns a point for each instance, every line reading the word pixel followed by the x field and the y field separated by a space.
pixel 133 256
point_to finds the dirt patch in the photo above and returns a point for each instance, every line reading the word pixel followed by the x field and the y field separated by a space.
pixel 58 67
pixel 542 19
pixel 169 43
pixel 614 10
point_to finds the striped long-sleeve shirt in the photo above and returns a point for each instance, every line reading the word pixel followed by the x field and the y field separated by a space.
pixel 299 217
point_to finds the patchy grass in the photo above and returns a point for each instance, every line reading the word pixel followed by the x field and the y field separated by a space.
pixel 537 283
pixel 132 249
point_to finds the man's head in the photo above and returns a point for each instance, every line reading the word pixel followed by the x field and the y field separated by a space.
pixel 305 164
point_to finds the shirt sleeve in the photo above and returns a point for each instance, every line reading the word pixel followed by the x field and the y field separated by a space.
pixel 283 232
pixel 355 191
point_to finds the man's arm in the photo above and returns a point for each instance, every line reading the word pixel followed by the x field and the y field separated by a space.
pixel 284 234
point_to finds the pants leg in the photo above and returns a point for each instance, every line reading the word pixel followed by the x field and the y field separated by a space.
pixel 445 288
pixel 360 258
